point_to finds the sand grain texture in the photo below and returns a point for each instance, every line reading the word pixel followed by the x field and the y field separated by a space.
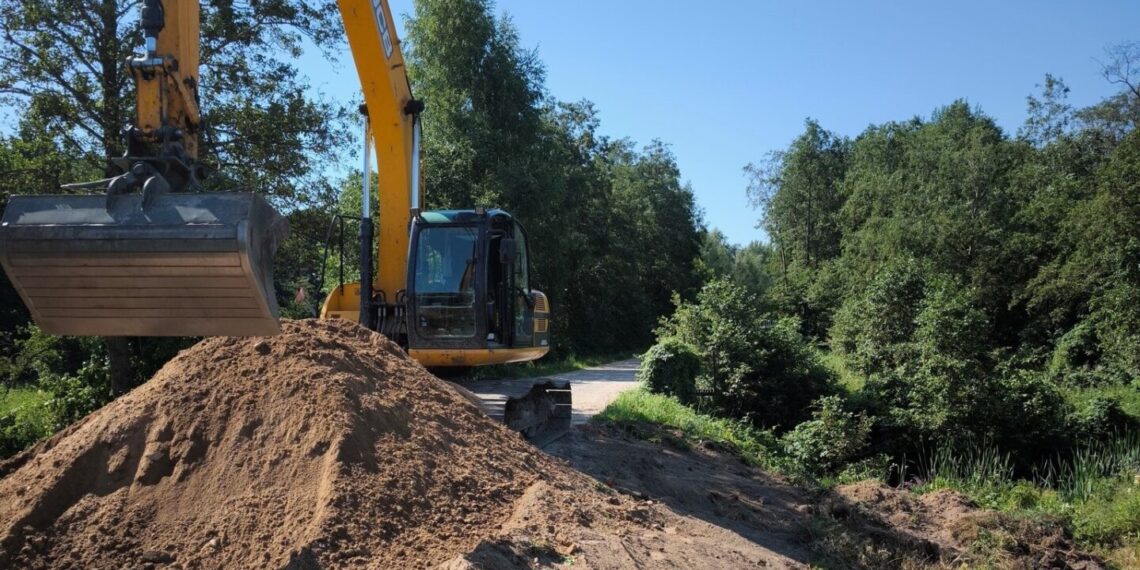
pixel 322 447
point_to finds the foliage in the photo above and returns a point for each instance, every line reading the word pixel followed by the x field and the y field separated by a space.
pixel 24 419
pixel 832 438
pixel 671 367
pixel 76 395
pixel 799 192
pixel 760 369
pixel 1100 419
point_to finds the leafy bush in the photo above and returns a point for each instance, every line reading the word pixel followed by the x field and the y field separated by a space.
pixel 916 336
pixel 671 367
pixel 1101 418
pixel 760 369
pixel 925 346
pixel 76 395
pixel 1023 414
pixel 1075 351
pixel 873 330
pixel 830 439
pixel 20 428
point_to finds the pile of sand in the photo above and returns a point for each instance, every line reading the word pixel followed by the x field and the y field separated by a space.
pixel 322 447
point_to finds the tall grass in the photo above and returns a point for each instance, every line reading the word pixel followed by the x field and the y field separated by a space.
pixel 1094 488
pixel 980 469
pixel 1079 476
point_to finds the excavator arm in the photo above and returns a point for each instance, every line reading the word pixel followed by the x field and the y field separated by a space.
pixel 392 120
pixel 149 254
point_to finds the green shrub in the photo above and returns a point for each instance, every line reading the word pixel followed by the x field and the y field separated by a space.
pixel 760 369
pixel 20 429
pixel 830 439
pixel 1100 418
pixel 76 395
pixel 1110 517
pixel 1075 351
pixel 932 376
pixel 872 330
pixel 874 467
pixel 671 367
pixel 1024 414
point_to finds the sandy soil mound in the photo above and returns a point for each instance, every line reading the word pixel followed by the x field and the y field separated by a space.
pixel 322 447
pixel 945 526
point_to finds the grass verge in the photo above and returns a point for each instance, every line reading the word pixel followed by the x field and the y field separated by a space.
pixel 637 407
pixel 24 418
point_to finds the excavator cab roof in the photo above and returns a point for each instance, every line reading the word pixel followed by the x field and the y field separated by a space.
pixel 459 216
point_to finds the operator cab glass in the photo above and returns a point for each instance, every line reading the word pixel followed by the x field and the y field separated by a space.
pixel 470 288
pixel 445 282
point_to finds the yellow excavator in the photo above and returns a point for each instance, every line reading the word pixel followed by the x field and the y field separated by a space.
pixel 151 254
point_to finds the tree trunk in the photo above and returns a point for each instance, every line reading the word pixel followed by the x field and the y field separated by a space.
pixel 119 357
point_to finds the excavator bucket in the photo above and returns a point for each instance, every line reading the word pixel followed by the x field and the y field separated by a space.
pixel 173 264
pixel 541 409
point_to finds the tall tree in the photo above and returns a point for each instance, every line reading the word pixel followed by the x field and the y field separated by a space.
pixel 799 192
pixel 484 116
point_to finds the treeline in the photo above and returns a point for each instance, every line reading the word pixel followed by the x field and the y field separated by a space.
pixel 940 304
pixel 969 287
pixel 613 230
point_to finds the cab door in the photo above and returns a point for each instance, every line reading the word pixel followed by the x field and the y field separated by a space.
pixel 511 314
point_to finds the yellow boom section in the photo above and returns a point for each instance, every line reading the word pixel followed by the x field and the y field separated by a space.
pixel 166 87
pixel 375 48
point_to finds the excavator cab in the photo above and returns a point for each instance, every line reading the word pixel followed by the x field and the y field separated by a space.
pixel 468 291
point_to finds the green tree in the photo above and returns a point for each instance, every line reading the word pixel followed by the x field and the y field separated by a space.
pixel 800 194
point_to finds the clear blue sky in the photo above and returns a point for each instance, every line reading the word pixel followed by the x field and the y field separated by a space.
pixel 724 83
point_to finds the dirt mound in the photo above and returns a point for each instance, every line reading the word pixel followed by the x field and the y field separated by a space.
pixel 322 447
pixel 945 526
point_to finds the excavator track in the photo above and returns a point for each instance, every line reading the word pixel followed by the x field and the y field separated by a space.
pixel 540 409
